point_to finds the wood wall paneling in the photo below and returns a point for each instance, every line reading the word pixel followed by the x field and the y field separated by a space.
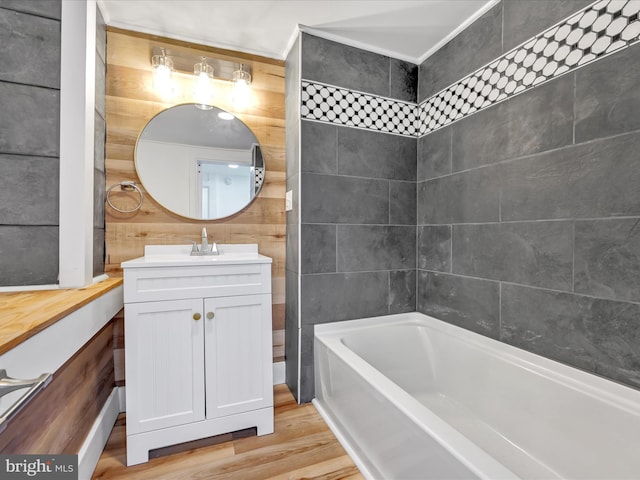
pixel 59 417
pixel 131 103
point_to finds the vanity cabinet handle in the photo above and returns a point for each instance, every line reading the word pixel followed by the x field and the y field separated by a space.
pixel 197 316
pixel 210 315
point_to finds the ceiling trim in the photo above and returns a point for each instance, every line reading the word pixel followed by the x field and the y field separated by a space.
pixel 354 43
pixel 488 6
pixel 319 32
pixel 364 46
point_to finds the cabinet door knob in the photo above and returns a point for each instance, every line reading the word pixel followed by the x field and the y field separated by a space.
pixel 210 315
pixel 197 316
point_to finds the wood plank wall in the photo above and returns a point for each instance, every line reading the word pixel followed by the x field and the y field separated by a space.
pixel 59 417
pixel 131 103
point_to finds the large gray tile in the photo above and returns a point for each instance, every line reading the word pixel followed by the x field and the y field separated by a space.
pixel 44 8
pixel 434 247
pixel 469 303
pixel 607 96
pixel 29 124
pixel 291 333
pixel 434 154
pixel 307 373
pixel 100 137
pixel 533 253
pixel 30 190
pixel 472 196
pixel 24 264
pixel 524 19
pixel 318 147
pixel 292 247
pixel 374 247
pixel 600 336
pixel 402 203
pixel 318 248
pixel 402 291
pixel 535 121
pixel 598 179
pixel 403 80
pixel 30 52
pixel 344 66
pixel 335 199
pixel 332 297
pixel 472 48
pixel 98 251
pixel 607 260
pixel 292 109
pixel 100 88
pixel 101 35
pixel 364 153
pixel 99 189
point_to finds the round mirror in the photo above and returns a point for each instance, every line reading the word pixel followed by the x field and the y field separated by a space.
pixel 201 164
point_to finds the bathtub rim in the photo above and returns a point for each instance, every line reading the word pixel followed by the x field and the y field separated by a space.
pixel 608 390
pixel 474 458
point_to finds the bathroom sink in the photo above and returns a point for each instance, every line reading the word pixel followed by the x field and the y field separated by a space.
pixel 180 255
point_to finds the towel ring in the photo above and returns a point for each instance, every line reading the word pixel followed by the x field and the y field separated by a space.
pixel 127 186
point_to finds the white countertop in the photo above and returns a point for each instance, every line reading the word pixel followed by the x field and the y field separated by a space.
pixel 178 256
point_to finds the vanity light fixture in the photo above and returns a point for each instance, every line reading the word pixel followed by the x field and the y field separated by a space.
pixel 200 70
pixel 202 84
pixel 233 165
pixel 162 73
pixel 241 95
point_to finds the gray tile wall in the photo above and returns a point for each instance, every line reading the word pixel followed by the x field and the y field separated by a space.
pixel 29 141
pixel 357 201
pixel 99 146
pixel 503 27
pixel 529 211
pixel 292 270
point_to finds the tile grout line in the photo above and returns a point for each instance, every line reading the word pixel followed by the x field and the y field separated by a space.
pixel 573 260
pixel 523 285
pixel 531 155
pixel 500 311
pixel 575 85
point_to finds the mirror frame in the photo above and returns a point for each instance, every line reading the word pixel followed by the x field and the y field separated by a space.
pixel 164 207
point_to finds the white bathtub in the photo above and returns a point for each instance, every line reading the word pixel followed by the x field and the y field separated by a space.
pixel 412 397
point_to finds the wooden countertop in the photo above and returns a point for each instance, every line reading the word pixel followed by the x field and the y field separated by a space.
pixel 23 314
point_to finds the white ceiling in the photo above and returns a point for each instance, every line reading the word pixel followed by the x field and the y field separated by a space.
pixel 405 29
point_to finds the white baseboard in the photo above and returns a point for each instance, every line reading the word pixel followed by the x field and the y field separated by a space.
pixel 279 373
pixel 93 445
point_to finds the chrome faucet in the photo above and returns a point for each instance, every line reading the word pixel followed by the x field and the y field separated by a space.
pixel 205 248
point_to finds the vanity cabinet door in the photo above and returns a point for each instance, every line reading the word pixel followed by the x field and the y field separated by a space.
pixel 239 375
pixel 164 364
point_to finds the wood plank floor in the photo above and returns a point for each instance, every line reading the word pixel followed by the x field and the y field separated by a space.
pixel 301 447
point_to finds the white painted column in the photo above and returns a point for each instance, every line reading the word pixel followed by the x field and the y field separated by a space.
pixel 77 118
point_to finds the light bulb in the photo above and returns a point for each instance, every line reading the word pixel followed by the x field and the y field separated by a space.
pixel 241 94
pixel 162 74
pixel 202 85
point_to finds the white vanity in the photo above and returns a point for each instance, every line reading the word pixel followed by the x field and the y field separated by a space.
pixel 197 345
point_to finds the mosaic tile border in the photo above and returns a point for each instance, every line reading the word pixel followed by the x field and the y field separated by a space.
pixel 342 106
pixel 602 28
pixel 598 30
